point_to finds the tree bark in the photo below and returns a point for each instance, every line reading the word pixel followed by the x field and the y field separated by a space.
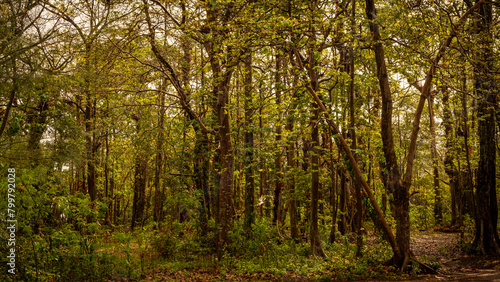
pixel 249 149
pixel 358 216
pixel 139 200
pixel 159 161
pixel 278 188
pixel 343 202
pixel 438 201
pixel 292 165
pixel 449 166
pixel 222 74
pixel 486 237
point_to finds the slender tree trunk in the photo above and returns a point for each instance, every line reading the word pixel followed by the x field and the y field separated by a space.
pixel 278 189
pixel 249 146
pixel 315 157
pixel 292 166
pixel 261 157
pixel 333 194
pixel 343 202
pixel 140 179
pixel 291 152
pixel 449 166
pixel 466 187
pixel 107 180
pixel 358 216
pixel 89 124
pixel 315 185
pixel 438 201
pixel 159 161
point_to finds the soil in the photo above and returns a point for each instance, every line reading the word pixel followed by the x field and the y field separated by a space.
pixel 442 248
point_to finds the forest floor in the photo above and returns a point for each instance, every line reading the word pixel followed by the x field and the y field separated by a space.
pixel 433 248
pixel 456 265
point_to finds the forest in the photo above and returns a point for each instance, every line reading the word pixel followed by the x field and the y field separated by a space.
pixel 248 140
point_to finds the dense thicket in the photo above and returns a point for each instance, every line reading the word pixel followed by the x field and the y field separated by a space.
pixel 202 117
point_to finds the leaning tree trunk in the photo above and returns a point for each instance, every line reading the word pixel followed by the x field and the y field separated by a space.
pixel 201 165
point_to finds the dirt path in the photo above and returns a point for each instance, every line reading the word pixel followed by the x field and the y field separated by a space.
pixel 437 247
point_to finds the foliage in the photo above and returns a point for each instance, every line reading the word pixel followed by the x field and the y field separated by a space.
pixel 139 113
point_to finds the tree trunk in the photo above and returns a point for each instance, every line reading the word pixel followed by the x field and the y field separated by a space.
pixel 315 156
pixel 221 79
pixel 333 195
pixel 278 188
pixel 292 165
pixel 358 215
pixel 159 162
pixel 139 200
pixel 449 166
pixel 227 162
pixel 394 184
pixel 249 146
pixel 486 199
pixel 89 125
pixel 438 201
pixel 38 122
pixel 343 202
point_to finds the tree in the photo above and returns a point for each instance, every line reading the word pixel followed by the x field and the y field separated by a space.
pixel 21 28
pixel 486 237
pixel 140 179
pixel 249 148
pixel 398 186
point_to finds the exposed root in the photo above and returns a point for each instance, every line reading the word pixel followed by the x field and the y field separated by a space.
pixel 424 267
pixel 411 258
pixel 405 263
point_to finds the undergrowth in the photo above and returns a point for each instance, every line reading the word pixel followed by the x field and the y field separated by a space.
pixel 68 255
pixel 268 252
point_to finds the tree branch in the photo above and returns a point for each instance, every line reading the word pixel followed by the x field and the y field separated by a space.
pixel 425 92
pixel 172 77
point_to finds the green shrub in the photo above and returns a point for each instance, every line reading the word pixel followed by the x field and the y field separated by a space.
pixel 164 244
